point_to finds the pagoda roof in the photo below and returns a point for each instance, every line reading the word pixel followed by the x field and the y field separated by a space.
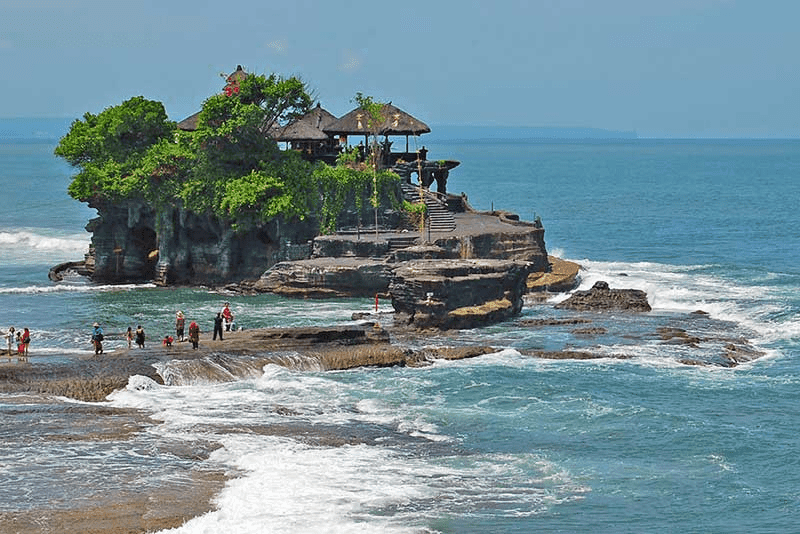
pixel 397 122
pixel 309 127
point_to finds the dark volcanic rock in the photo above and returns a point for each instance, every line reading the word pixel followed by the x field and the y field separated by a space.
pixel 133 242
pixel 592 331
pixel 568 355
pixel 458 293
pixel 741 353
pixel 554 322
pixel 601 298
pixel 678 336
pixel 327 277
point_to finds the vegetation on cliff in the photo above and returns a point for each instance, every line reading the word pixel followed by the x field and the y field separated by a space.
pixel 229 166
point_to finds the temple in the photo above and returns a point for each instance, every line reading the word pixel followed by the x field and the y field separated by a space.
pixel 320 136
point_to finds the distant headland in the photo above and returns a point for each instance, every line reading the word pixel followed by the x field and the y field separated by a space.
pixel 446 132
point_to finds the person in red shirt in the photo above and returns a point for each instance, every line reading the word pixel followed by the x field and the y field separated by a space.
pixel 194 334
pixel 228 316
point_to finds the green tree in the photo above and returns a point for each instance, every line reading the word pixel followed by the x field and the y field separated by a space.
pixel 108 146
pixel 228 166
pixel 280 99
pixel 235 155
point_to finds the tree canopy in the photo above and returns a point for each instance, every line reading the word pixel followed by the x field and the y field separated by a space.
pixel 229 166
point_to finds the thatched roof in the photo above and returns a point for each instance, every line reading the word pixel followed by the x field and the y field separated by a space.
pixel 307 128
pixel 189 123
pixel 398 122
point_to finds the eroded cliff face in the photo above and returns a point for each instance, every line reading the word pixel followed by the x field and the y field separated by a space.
pixel 133 242
pixel 123 239
pixel 458 293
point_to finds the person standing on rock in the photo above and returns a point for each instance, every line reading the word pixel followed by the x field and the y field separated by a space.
pixel 180 321
pixel 26 340
pixel 97 338
pixel 218 326
pixel 10 339
pixel 194 334
pixel 228 316
pixel 129 336
pixel 140 336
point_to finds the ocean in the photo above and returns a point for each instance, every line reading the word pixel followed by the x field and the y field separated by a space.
pixel 656 436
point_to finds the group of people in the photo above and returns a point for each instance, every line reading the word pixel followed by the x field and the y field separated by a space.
pixel 130 336
pixel 22 338
pixel 180 323
pixel 225 316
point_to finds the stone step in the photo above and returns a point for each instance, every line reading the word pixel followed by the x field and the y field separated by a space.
pixel 161 275
pixel 397 243
pixel 440 218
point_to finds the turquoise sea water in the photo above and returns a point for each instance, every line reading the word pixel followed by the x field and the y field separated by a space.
pixel 636 442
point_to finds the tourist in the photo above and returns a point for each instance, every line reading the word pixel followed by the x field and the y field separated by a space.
pixel 194 334
pixel 140 336
pixel 26 340
pixel 180 321
pixel 228 316
pixel 218 327
pixel 168 339
pixel 97 338
pixel 129 336
pixel 10 339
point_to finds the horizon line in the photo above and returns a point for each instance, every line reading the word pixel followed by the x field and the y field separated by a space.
pixel 627 134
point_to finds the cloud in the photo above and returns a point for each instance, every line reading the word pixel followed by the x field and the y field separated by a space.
pixel 278 45
pixel 351 62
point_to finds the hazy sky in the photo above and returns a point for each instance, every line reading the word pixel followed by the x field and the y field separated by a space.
pixel 691 68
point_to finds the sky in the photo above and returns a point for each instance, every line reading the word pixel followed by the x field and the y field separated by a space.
pixel 661 68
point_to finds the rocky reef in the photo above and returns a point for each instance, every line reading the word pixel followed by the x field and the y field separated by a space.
pixel 602 298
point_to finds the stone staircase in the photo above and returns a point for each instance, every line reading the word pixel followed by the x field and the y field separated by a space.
pixel 161 274
pixel 398 243
pixel 440 218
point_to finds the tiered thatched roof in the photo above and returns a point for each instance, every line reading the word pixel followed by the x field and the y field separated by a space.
pixel 307 128
pixel 397 122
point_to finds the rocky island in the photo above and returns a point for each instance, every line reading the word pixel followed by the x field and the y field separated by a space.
pixel 214 201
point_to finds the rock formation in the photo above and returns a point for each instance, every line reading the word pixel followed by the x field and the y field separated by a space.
pixel 601 298
pixel 331 277
pixel 132 243
pixel 458 293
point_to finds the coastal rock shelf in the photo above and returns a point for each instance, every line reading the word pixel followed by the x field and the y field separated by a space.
pixel 331 277
pixel 242 354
